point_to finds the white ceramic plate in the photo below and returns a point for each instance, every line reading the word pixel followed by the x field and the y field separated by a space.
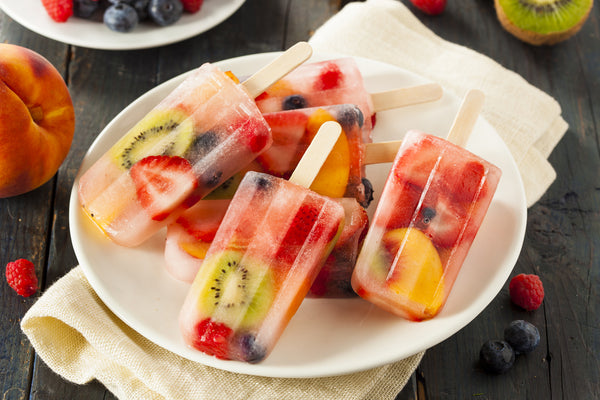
pixel 81 32
pixel 326 336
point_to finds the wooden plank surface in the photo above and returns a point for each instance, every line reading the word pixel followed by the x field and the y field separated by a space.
pixel 563 227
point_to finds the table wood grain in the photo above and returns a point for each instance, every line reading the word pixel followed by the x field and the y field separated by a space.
pixel 562 243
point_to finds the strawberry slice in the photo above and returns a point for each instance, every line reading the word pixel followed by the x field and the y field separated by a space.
pixel 203 220
pixel 162 183
pixel 305 221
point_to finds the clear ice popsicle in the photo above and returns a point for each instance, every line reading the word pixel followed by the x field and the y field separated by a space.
pixel 432 205
pixel 273 240
pixel 202 133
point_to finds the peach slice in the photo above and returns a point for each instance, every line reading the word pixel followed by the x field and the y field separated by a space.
pixel 332 179
pixel 417 272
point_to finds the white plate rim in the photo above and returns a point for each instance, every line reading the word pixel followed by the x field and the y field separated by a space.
pixel 459 319
pixel 85 33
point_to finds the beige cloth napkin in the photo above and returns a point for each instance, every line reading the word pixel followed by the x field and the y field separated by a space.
pixel 526 118
pixel 80 339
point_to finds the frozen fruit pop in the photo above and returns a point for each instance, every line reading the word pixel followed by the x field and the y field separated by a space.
pixel 432 205
pixel 338 81
pixel 273 240
pixel 202 133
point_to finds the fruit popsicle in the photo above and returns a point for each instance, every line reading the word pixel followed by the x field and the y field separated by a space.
pixel 273 240
pixel 338 81
pixel 432 205
pixel 203 132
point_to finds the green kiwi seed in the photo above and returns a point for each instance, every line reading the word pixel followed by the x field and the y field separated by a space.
pixel 235 291
pixel 543 22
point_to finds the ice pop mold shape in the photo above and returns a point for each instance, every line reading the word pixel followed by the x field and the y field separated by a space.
pixel 270 246
pixel 432 205
pixel 202 133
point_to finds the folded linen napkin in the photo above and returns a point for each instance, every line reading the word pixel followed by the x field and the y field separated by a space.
pixel 79 338
pixel 526 118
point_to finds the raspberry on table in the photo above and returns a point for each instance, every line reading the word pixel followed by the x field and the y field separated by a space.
pixel 526 291
pixel 20 275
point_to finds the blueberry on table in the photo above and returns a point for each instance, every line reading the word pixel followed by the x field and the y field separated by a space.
pixel 522 336
pixel 165 12
pixel 121 17
pixel 496 356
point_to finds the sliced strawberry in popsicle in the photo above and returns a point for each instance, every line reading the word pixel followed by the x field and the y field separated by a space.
pixel 162 182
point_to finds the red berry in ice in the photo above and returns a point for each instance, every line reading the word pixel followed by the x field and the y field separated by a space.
pixel 162 183
pixel 526 291
pixel 20 275
pixel 431 7
pixel 331 77
pixel 213 338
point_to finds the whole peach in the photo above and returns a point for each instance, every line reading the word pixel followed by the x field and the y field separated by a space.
pixel 37 120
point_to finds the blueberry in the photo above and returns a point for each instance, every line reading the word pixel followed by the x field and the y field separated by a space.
pixel 165 12
pixel 522 336
pixel 294 102
pixel 202 145
pixel 121 17
pixel 85 8
pixel 427 215
pixel 262 182
pixel 252 351
pixel 368 193
pixel 496 356
pixel 351 116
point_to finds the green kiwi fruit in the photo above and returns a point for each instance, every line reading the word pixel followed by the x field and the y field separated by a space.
pixel 543 22
pixel 235 291
pixel 149 137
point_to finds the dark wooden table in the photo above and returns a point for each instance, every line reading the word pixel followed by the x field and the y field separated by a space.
pixel 562 243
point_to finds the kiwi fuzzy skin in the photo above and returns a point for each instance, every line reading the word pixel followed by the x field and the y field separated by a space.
pixel 537 38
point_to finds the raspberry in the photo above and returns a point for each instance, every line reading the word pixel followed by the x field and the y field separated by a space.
pixel 526 291
pixel 20 275
pixel 192 6
pixel 59 10
pixel 431 7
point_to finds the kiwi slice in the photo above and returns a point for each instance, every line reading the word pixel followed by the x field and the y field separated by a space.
pixel 543 22
pixel 236 291
pixel 154 135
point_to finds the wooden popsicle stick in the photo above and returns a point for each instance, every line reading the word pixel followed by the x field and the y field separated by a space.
pixel 317 152
pixel 406 96
pixel 277 69
pixel 466 117
pixel 462 127
pixel 381 152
